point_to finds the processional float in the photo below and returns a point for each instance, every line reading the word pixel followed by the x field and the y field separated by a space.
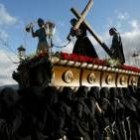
pixel 63 69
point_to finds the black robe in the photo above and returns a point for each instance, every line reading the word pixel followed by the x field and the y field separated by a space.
pixel 83 46
pixel 117 48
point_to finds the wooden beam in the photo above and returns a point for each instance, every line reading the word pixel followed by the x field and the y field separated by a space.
pixel 83 14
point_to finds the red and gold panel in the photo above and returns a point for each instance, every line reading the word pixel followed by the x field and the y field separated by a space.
pixel 108 79
pixel 122 80
pixel 90 78
pixel 133 80
pixel 65 76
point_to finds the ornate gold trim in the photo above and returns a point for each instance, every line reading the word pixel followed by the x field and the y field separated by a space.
pixel 68 76
pixel 91 78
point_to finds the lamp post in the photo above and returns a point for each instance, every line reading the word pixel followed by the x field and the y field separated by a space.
pixel 135 57
pixel 21 53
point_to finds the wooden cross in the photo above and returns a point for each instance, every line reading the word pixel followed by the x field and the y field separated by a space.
pixel 103 45
pixel 83 14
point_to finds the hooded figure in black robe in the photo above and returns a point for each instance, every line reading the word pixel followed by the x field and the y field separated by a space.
pixel 119 109
pixel 106 106
pixel 81 116
pixel 83 46
pixel 116 47
pixel 93 97
pixel 132 117
pixel 8 113
pixel 34 114
pixel 107 111
pixel 63 112
pixel 53 121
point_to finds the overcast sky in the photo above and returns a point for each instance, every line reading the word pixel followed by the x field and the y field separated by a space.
pixel 16 14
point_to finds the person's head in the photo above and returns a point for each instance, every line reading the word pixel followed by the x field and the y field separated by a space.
pixel 104 92
pixel 82 91
pixel 94 92
pixel 73 21
pixel 112 31
pixel 40 22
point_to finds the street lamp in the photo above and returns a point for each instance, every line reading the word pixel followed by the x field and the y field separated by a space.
pixel 21 52
pixel 135 57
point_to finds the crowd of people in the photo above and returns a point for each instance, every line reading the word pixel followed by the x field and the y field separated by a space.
pixel 94 113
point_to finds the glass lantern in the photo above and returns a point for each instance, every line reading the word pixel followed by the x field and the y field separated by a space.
pixel 21 53
pixel 50 31
pixel 50 28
